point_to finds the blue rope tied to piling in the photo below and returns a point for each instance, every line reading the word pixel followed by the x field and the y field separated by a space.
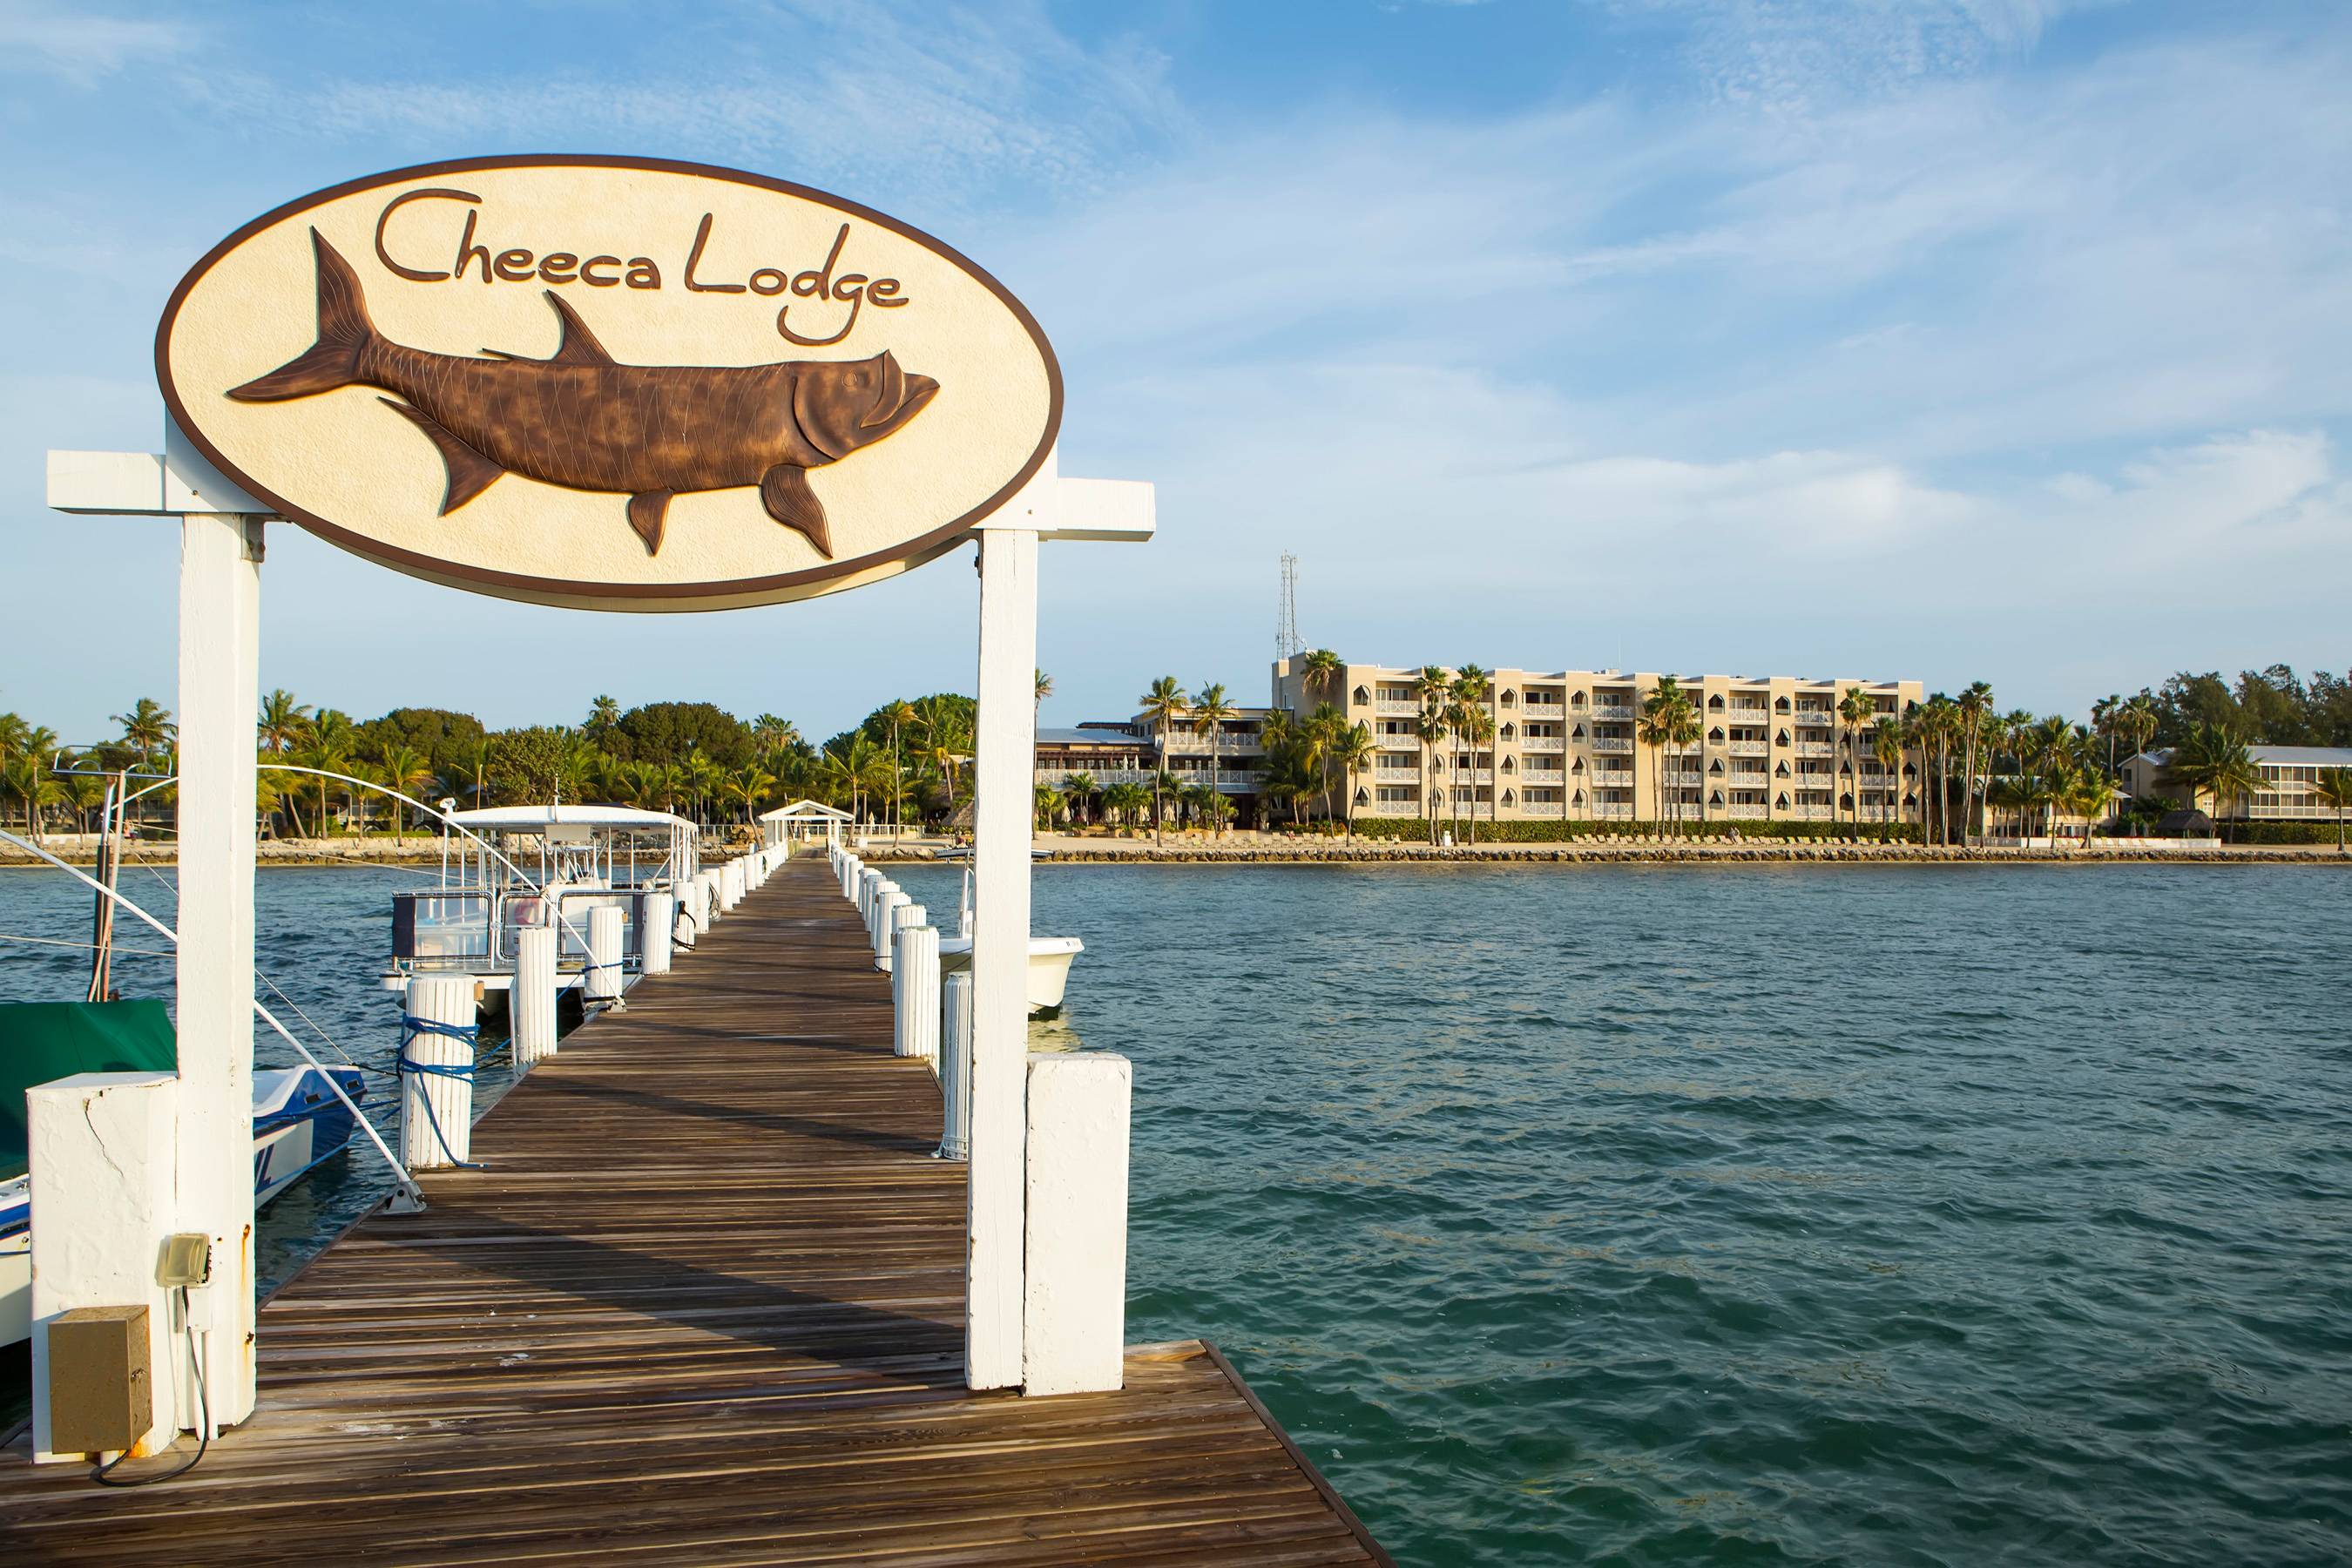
pixel 411 1026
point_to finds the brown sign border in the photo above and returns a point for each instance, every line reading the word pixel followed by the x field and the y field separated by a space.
pixel 732 593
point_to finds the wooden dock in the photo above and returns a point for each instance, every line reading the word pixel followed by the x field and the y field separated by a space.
pixel 704 1305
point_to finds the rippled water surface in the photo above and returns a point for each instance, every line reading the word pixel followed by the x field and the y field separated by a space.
pixel 1739 1213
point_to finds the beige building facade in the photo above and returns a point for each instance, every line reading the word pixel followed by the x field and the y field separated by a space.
pixel 1566 747
pixel 2289 792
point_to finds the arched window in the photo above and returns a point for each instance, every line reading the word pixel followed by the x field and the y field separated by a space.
pixel 1779 705
pixel 1510 698
pixel 1363 697
pixel 1510 798
pixel 1781 739
pixel 1577 734
pixel 1363 797
pixel 1577 701
pixel 1579 800
pixel 1578 767
pixel 1715 799
pixel 1781 803
pixel 1715 766
pixel 1715 736
pixel 1510 764
pixel 1510 731
pixel 1782 771
pixel 1714 704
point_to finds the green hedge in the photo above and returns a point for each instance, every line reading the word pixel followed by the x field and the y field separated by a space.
pixel 1413 830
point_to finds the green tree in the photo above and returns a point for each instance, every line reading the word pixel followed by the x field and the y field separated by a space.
pixel 1045 690
pixel 147 728
pixel 1355 752
pixel 2212 761
pixel 1079 790
pixel 1432 691
pixel 531 763
pixel 1888 745
pixel 1164 704
pixel 1474 721
pixel 2334 787
pixel 1321 671
pixel 1975 706
pixel 1210 712
pixel 282 721
pixel 1855 710
pixel 406 770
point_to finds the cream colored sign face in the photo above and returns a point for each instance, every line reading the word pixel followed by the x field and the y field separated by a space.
pixel 610 384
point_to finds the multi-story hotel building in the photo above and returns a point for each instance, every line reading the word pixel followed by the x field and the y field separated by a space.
pixel 1566 745
pixel 2288 775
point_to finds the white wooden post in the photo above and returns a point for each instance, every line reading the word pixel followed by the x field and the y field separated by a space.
pixel 915 992
pixel 1003 775
pixel 653 941
pixel 1075 1333
pixel 887 907
pixel 436 1107
pixel 955 1066
pixel 220 689
pixel 101 1151
pixel 600 981
pixel 531 1000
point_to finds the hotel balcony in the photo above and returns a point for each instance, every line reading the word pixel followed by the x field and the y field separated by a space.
pixel 1543 808
pixel 1544 743
pixel 1613 811
pixel 1612 746
pixel 1749 747
pixel 1395 709
pixel 1397 775
pixel 1817 720
pixel 1613 710
pixel 1814 748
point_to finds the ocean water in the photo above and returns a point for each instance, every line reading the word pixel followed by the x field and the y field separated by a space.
pixel 1938 1215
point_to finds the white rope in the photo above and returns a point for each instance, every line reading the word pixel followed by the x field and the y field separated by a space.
pixel 413 1193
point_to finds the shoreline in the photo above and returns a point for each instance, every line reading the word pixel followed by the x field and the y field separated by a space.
pixel 1056 850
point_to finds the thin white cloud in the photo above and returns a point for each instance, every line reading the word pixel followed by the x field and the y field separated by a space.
pixel 80 49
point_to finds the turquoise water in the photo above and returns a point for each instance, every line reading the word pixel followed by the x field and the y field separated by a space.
pixel 1690 1215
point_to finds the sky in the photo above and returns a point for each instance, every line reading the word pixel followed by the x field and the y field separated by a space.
pixel 1950 340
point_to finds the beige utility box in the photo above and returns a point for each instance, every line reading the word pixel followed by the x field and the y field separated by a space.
pixel 101 1400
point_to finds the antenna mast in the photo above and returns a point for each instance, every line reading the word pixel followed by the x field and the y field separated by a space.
pixel 1286 642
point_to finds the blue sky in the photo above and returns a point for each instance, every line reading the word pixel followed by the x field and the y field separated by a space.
pixel 1956 339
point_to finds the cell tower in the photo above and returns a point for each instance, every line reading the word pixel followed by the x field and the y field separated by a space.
pixel 1286 643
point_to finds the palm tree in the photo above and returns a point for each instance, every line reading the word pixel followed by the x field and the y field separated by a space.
pixel 1354 752
pixel 1434 689
pixel 1045 690
pixel 1163 704
pixel 2334 786
pixel 26 775
pixel 1659 724
pixel 1210 712
pixel 1473 693
pixel 1888 744
pixel 282 722
pixel 1079 790
pixel 406 770
pixel 1320 671
pixel 1046 801
pixel 1855 710
pixel 898 714
pixel 1320 738
pixel 1167 793
pixel 747 786
pixel 2090 794
pixel 2105 714
pixel 2138 721
pixel 1975 706
pixel 327 746
pixel 1124 801
pixel 2212 761
pixel 604 717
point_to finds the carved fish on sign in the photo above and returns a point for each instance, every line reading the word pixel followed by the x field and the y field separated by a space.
pixel 584 421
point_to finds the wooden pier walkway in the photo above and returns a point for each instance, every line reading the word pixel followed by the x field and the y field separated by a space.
pixel 704 1305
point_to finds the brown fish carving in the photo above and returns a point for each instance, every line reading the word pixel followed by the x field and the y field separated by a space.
pixel 584 421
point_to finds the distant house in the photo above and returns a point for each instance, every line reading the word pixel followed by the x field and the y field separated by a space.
pixel 2288 774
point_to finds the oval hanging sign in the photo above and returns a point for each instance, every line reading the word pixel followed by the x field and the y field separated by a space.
pixel 610 383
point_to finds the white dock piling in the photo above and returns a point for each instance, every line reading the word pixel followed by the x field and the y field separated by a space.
pixel 902 916
pixel 915 991
pixel 600 980
pixel 708 881
pixel 1074 1309
pixel 955 1066
pixel 530 1005
pixel 886 905
pixel 653 939
pixel 868 879
pixel 437 1072
pixel 730 886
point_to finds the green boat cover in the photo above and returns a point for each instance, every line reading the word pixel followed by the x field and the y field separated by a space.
pixel 41 1042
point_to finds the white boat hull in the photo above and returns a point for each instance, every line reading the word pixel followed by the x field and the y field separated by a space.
pixel 1049 966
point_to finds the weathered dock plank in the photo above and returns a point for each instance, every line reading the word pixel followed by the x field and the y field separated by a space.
pixel 704 1305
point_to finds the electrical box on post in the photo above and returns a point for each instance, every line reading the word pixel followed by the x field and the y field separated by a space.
pixel 100 1396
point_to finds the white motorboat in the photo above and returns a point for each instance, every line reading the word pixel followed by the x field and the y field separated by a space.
pixel 1049 967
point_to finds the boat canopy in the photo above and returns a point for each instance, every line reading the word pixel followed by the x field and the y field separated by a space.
pixel 531 818
pixel 43 1041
